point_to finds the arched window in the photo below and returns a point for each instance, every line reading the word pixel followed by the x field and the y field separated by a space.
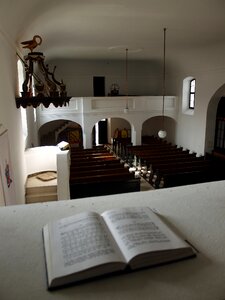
pixel 20 70
pixel 192 94
pixel 188 97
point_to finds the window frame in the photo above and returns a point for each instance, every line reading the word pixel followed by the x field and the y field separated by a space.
pixel 192 92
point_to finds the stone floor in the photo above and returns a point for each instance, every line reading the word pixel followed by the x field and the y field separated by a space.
pixel 145 186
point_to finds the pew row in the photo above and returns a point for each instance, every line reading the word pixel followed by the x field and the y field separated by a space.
pixel 95 173
pixel 171 166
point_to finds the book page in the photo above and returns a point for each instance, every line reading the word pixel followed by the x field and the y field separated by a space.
pixel 79 242
pixel 139 230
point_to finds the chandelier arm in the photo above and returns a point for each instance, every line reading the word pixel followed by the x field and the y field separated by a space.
pixel 36 77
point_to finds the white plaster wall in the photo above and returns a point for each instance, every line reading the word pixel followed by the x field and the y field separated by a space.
pixel 145 78
pixel 191 129
pixel 208 67
pixel 90 110
pixel 40 159
pixel 10 116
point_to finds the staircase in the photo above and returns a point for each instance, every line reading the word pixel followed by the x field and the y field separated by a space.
pixel 51 138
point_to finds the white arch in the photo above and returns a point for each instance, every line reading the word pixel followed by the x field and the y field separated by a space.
pixel 211 119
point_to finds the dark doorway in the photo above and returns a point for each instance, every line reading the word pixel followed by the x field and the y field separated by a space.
pixel 102 132
pixel 99 86
pixel 219 145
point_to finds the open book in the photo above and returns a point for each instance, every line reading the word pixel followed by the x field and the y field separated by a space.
pixel 88 245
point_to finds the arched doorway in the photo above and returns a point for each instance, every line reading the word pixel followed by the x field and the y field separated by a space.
pixel 100 132
pixel 52 133
pixel 212 125
pixel 152 126
pixel 104 131
pixel 219 143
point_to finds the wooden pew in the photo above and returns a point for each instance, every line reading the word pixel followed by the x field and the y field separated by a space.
pixel 137 149
pixel 91 155
pixel 176 164
pixel 159 152
pixel 176 167
pixel 192 176
pixel 96 166
pixel 163 155
pixel 101 176
pixel 89 152
pixel 92 159
pixel 84 163
pixel 186 174
pixel 170 158
pixel 94 173
pixel 96 185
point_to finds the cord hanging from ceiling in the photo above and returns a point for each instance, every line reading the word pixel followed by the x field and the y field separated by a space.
pixel 126 109
pixel 162 132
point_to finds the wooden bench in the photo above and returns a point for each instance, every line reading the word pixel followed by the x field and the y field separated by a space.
pixel 98 185
pixel 176 164
pixel 96 166
pixel 170 158
pixel 137 149
pixel 94 173
pixel 93 159
pixel 101 176
pixel 87 173
pixel 184 174
pixel 108 160
pixel 199 175
pixel 89 153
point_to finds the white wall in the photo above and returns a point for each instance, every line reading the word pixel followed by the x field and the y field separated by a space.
pixel 144 78
pixel 40 159
pixel 9 115
pixel 94 109
pixel 208 67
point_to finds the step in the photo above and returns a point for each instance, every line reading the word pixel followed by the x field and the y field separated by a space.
pixel 37 198
pixel 36 186
pixel 32 190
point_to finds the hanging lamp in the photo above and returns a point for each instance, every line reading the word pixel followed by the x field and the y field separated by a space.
pixel 162 132
pixel 40 85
